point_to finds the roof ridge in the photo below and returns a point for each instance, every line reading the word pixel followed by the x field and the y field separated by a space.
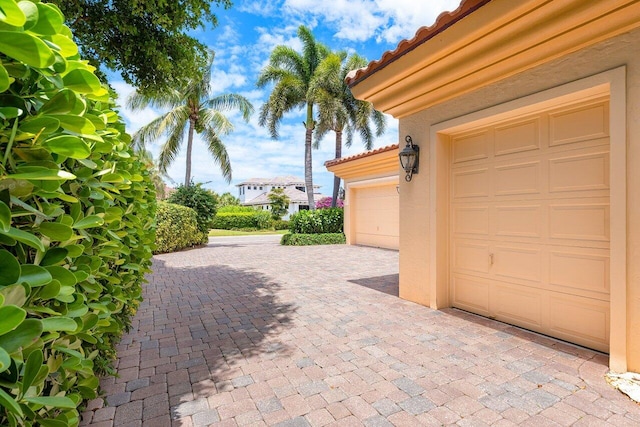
pixel 424 33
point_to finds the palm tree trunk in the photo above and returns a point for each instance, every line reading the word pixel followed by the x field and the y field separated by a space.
pixel 187 176
pixel 308 172
pixel 336 178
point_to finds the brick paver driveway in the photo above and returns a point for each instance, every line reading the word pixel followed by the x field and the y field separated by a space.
pixel 245 332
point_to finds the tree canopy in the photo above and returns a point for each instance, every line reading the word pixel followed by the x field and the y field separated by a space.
pixel 194 109
pixel 144 40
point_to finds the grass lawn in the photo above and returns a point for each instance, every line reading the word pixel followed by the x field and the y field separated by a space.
pixel 217 232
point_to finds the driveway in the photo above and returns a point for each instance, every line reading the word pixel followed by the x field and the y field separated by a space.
pixel 246 332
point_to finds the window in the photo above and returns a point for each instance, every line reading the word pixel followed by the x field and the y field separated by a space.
pixel 300 188
pixel 303 208
pixel 261 188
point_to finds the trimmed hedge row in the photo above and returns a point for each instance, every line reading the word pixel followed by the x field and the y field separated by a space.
pixel 312 239
pixel 319 221
pixel 259 220
pixel 176 228
pixel 76 222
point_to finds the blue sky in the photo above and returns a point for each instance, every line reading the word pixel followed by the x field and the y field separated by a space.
pixel 242 41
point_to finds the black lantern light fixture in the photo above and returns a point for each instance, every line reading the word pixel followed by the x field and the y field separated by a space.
pixel 409 158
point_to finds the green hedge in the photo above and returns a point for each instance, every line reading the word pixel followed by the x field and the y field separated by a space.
pixel 280 224
pixel 176 228
pixel 312 239
pixel 317 222
pixel 76 222
pixel 236 209
pixel 260 220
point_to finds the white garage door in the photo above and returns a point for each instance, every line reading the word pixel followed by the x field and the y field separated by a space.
pixel 376 216
pixel 530 222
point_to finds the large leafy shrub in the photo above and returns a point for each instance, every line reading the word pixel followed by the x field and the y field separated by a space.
pixel 76 222
pixel 312 239
pixel 176 228
pixel 201 200
pixel 316 222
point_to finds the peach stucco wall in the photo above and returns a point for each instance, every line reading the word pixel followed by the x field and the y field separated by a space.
pixel 416 201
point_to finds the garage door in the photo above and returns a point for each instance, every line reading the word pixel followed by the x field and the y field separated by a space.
pixel 376 216
pixel 529 223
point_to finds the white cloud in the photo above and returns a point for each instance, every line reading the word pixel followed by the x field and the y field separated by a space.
pixel 360 20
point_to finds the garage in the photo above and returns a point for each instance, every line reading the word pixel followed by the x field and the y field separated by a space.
pixel 371 205
pixel 529 218
pixel 375 211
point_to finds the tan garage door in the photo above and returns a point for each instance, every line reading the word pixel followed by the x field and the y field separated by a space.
pixel 376 216
pixel 530 222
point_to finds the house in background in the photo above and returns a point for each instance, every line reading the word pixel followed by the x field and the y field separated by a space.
pixel 255 191
pixel 526 206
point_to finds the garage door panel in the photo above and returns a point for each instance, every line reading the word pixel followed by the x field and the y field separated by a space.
pixel 543 189
pixel 578 124
pixel 471 183
pixel 518 221
pixel 585 222
pixel 580 320
pixel 471 220
pixel 518 263
pixel 585 272
pixel 518 178
pixel 471 294
pixel 517 137
pixel 471 257
pixel 579 172
pixel 517 304
pixel 471 147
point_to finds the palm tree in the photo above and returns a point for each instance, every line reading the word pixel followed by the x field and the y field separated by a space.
pixel 292 74
pixel 338 110
pixel 192 109
pixel 155 175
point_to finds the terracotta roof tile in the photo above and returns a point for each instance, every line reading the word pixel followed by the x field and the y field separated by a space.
pixel 334 162
pixel 444 21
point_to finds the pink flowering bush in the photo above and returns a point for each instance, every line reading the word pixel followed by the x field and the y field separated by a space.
pixel 325 203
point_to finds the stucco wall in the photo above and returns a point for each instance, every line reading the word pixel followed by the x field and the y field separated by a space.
pixel 623 50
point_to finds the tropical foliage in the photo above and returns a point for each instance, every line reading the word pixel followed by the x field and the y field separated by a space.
pixel 292 75
pixel 191 110
pixel 177 228
pixel 339 111
pixel 201 200
pixel 317 222
pixel 279 203
pixel 76 220
pixel 144 40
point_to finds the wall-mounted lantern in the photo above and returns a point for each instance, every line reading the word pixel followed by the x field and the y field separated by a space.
pixel 409 158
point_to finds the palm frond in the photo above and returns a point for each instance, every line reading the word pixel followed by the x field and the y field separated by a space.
pixel 170 149
pixel 218 151
pixel 214 119
pixel 168 99
pixel 231 101
pixel 167 123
